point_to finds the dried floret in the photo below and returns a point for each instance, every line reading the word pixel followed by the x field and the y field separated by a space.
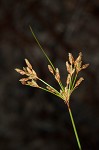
pixel 68 79
pixel 33 84
pixel 28 64
pixel 20 71
pixel 51 89
pixel 68 67
pixel 71 59
pixel 85 66
pixel 78 58
pixel 78 82
pixel 51 69
pixel 24 80
pixel 57 75
pixel 29 70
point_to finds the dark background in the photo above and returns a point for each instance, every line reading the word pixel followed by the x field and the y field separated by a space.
pixel 31 119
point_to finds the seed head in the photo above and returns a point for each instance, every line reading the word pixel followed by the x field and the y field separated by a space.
pixel 79 58
pixel 51 69
pixel 33 84
pixel 50 89
pixel 71 59
pixel 78 82
pixel 34 75
pixel 68 67
pixel 85 66
pixel 57 75
pixel 29 70
pixel 24 80
pixel 73 68
pixel 68 79
pixel 28 64
pixel 20 71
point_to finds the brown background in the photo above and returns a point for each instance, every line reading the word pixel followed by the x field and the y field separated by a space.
pixel 31 119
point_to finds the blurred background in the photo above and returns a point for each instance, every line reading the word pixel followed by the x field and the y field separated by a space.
pixel 31 119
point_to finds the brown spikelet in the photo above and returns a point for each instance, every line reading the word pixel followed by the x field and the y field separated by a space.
pixel 20 71
pixel 71 58
pixel 67 94
pixel 57 75
pixel 78 68
pixel 29 70
pixel 79 57
pixel 78 82
pixel 28 64
pixel 50 89
pixel 78 62
pixel 24 69
pixel 33 84
pixel 85 66
pixel 51 69
pixel 23 80
pixel 68 67
pixel 68 79
pixel 73 70
pixel 34 75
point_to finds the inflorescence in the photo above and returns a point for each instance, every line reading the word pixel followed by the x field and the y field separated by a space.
pixel 73 68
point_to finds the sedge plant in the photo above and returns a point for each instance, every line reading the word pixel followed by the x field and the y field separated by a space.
pixel 73 66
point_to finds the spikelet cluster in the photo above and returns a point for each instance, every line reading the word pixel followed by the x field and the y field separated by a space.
pixel 73 67
pixel 30 73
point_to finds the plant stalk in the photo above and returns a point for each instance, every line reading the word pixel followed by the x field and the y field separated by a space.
pixel 74 127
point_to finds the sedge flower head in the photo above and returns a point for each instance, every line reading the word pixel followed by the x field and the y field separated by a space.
pixel 73 67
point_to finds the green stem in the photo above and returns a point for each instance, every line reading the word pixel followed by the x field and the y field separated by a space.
pixel 74 127
pixel 49 85
pixel 50 92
